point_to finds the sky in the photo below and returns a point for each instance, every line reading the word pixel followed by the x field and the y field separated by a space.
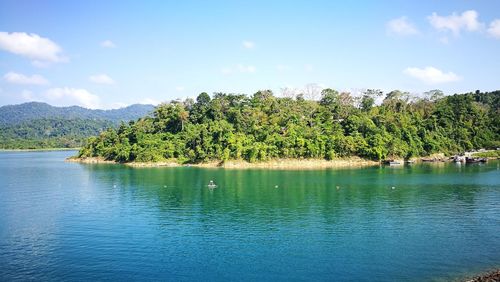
pixel 109 54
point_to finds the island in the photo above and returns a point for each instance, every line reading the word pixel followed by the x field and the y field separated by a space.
pixel 336 129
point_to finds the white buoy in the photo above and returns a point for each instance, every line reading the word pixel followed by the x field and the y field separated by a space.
pixel 212 184
pixel 393 187
pixel 275 186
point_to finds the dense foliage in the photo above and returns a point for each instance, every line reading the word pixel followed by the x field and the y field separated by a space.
pixel 50 133
pixel 37 125
pixel 263 127
pixel 13 114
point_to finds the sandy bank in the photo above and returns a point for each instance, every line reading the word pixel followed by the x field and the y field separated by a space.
pixel 238 164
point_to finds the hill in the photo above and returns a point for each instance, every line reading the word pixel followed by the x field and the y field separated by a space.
pixel 12 114
pixel 38 125
pixel 263 127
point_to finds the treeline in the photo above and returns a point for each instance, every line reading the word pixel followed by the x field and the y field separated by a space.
pixel 263 127
pixel 50 133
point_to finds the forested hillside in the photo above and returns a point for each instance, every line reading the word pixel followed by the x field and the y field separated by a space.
pixel 38 125
pixel 264 127
pixel 51 133
pixel 35 110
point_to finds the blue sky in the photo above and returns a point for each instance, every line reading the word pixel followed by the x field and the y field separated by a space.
pixel 106 54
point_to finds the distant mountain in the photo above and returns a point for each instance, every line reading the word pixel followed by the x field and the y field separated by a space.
pixel 37 125
pixel 13 114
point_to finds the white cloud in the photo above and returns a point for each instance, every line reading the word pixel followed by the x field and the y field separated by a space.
pixel 248 44
pixel 101 79
pixel 41 50
pixel 431 75
pixel 179 88
pixel 308 68
pixel 108 44
pixel 19 78
pixel 401 26
pixel 494 29
pixel 455 23
pixel 240 68
pixel 72 96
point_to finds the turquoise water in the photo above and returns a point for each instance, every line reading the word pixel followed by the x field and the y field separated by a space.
pixel 68 221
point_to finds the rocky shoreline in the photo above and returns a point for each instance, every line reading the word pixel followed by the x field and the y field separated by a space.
pixel 492 276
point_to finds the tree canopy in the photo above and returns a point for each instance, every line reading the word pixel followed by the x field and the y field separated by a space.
pixel 263 127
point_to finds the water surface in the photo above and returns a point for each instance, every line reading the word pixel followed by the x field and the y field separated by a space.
pixel 73 221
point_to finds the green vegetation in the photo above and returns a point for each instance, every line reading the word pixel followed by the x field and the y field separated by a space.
pixel 13 114
pixel 37 125
pixel 50 133
pixel 264 127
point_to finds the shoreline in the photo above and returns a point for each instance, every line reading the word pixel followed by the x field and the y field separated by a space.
pixel 489 276
pixel 288 164
pixel 291 164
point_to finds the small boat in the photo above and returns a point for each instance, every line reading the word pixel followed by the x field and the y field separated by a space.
pixel 392 162
pixel 409 161
pixel 212 184
pixel 459 159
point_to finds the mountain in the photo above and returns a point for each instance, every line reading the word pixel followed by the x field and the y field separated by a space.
pixel 37 125
pixel 13 114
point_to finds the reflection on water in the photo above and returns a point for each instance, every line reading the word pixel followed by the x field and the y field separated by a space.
pixel 72 221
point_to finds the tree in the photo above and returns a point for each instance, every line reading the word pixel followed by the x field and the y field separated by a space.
pixel 434 95
pixel 312 91
pixel 368 98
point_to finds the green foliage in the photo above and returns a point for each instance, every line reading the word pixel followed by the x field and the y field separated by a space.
pixel 13 114
pixel 263 127
pixel 50 133
pixel 37 125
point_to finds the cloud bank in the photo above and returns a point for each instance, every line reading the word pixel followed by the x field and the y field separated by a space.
pixel 431 75
pixel 456 23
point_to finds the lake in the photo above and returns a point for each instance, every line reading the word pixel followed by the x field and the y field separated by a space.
pixel 70 221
